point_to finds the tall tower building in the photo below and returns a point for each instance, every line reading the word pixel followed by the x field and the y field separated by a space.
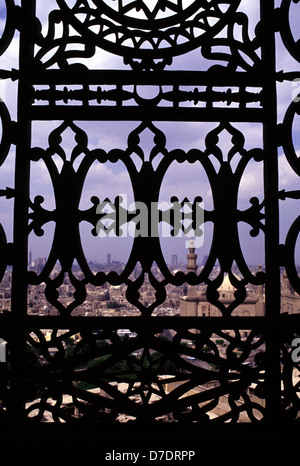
pixel 174 260
pixel 40 263
pixel 108 259
pixel 192 257
pixel 192 267
pixel 189 303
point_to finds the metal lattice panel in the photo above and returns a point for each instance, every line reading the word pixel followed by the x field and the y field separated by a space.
pixel 171 368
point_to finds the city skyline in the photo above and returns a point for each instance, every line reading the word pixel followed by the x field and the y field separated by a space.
pixel 111 300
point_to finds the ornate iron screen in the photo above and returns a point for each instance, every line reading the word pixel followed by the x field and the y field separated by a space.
pixel 148 63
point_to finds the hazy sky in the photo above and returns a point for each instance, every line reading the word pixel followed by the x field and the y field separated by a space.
pixel 182 180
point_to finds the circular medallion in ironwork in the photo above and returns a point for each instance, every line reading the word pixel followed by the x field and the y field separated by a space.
pixel 147 33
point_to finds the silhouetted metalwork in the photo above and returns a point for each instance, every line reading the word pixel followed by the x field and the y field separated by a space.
pixel 56 83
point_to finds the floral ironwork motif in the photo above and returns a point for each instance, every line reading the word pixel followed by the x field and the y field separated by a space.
pixel 147 34
pixel 144 394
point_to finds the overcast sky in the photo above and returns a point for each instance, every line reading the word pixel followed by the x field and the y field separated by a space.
pixel 182 180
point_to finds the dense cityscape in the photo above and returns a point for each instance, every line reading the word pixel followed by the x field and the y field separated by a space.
pixel 106 300
pixel 185 300
pixel 109 300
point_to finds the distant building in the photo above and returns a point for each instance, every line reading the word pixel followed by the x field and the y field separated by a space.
pixel 108 259
pixel 39 264
pixel 290 300
pixel 174 260
pixel 195 303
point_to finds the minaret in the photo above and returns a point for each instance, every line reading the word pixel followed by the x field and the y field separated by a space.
pixel 260 305
pixel 260 288
pixel 191 257
pixel 192 267
pixel 189 303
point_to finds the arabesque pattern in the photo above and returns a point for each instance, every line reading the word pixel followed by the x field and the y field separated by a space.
pixel 69 368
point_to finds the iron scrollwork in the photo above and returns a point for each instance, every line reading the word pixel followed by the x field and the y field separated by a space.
pixel 78 369
pixel 147 38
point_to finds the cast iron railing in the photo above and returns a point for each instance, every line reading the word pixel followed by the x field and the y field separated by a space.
pixel 172 367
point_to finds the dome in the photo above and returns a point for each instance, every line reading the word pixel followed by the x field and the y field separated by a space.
pixel 227 285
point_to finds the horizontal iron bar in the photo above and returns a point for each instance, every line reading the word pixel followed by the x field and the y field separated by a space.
pixel 290 76
pixel 206 323
pixel 82 75
pixel 129 113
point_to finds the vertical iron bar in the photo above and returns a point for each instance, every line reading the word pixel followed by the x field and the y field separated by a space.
pixel 19 285
pixel 272 291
